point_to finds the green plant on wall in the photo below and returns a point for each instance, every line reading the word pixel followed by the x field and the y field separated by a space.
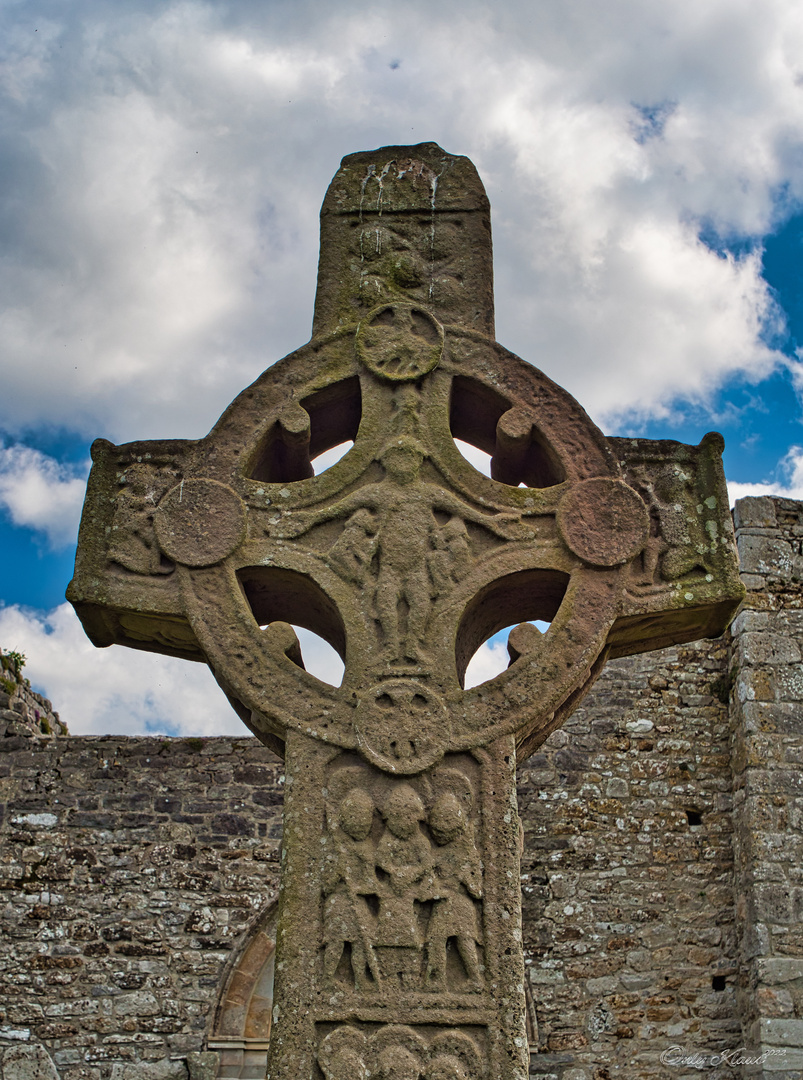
pixel 12 663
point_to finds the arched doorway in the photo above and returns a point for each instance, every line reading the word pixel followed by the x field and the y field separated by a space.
pixel 241 1026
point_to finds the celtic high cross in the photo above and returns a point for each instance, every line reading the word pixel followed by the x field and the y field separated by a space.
pixel 399 945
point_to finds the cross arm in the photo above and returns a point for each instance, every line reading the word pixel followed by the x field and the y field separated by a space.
pixel 124 589
pixel 685 584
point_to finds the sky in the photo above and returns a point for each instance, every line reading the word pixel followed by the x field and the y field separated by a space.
pixel 163 166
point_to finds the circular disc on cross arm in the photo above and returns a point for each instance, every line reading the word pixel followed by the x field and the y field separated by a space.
pixel 603 521
pixel 200 522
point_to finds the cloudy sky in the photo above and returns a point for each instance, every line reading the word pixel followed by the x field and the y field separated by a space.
pixel 163 167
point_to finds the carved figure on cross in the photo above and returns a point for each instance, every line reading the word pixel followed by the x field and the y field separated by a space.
pixel 400 532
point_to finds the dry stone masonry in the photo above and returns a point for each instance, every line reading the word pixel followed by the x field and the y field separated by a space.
pixel 660 874
pixel 22 711
pixel 399 949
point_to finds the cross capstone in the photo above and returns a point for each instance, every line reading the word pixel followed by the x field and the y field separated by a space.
pixel 399 948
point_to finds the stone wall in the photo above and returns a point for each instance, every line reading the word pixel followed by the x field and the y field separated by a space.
pixel 22 711
pixel 628 872
pixel 129 869
pixel 661 873
pixel 767 755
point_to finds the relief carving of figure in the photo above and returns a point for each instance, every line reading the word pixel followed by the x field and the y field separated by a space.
pixel 342 1054
pixel 133 542
pixel 396 899
pixel 353 552
pixel 399 259
pixel 680 536
pixel 404 506
pixel 450 561
pixel 351 877
pixel 458 875
pixel 404 862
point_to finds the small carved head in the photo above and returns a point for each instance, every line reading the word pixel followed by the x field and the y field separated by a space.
pixel 137 478
pixel 402 460
pixel 447 1067
pixel 345 1064
pixel 341 1054
pixel 397 1063
pixel 403 810
pixel 365 520
pixel 447 818
pixel 357 814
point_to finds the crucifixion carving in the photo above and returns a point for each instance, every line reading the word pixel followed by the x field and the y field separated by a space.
pixel 399 948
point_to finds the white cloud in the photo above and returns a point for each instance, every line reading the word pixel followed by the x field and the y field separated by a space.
pixel 490 660
pixel 167 172
pixel 114 690
pixel 125 691
pixel 42 494
pixel 791 468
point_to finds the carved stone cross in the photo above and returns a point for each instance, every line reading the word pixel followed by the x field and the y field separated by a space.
pixel 399 950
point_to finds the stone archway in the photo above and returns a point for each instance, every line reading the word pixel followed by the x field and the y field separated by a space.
pixel 241 1028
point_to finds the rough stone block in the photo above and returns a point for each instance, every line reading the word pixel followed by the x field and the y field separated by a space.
pixel 781 1032
pixel 790 683
pixel 766 648
pixel 753 582
pixel 203 1065
pixel 617 788
pixel 640 726
pixel 748 620
pixel 774 970
pixel 782 717
pixel 27 1062
pixel 773 903
pixel 755 684
pixel 755 511
pixel 139 1003
pixel 790 622
pixel 157 1070
pixel 785 1066
pixel 765 556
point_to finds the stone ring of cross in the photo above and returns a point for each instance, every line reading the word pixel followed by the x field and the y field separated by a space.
pixel 402 554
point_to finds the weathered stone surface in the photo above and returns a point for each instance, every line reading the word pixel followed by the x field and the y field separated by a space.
pixel 444 555
pixel 763 555
pixel 767 752
pixel 203 1065
pixel 399 948
pixel 158 1070
pixel 764 648
pixel 27 1063
pixel 755 512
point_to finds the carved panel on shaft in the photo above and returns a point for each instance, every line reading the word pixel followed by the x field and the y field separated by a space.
pixel 403 879
pixel 400 1052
